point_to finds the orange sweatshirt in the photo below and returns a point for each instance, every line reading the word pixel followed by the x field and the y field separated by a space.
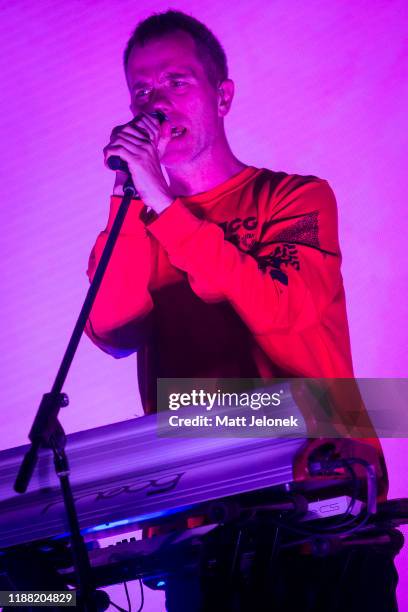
pixel 242 281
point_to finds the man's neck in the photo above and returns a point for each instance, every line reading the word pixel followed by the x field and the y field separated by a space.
pixel 205 175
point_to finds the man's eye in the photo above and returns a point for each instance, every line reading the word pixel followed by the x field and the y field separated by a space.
pixel 140 93
pixel 177 83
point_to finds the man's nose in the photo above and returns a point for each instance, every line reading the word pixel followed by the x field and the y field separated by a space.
pixel 158 101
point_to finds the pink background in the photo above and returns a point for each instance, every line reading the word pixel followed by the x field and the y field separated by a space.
pixel 321 89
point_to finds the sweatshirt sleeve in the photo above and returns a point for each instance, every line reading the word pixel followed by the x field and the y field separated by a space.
pixel 292 273
pixel 119 321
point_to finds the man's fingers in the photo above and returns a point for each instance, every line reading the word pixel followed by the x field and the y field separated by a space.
pixel 152 121
pixel 125 152
pixel 131 139
pixel 140 118
pixel 148 131
pixel 117 129
pixel 136 133
pixel 132 147
pixel 118 151
pixel 151 126
pixel 130 130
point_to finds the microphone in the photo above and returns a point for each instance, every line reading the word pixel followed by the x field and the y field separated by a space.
pixel 115 162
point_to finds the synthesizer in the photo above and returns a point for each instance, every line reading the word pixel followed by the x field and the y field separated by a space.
pixel 124 474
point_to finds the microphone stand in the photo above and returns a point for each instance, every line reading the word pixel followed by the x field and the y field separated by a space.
pixel 47 432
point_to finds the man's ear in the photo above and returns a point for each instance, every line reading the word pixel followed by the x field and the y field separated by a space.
pixel 225 96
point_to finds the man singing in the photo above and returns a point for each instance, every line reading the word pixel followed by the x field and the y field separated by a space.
pixel 223 270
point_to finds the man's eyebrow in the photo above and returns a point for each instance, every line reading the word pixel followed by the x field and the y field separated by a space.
pixel 180 73
pixel 175 74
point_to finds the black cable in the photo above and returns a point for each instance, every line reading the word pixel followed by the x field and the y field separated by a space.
pixel 371 498
pixel 353 498
pixel 141 595
pixel 129 600
pixel 341 523
pixel 371 484
pixel 127 596
pixel 371 503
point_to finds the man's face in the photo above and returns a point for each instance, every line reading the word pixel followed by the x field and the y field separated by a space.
pixel 167 75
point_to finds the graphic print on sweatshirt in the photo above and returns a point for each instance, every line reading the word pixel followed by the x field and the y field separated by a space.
pixel 242 232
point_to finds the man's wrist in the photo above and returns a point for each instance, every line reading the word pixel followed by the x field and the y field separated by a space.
pixel 161 202
pixel 148 215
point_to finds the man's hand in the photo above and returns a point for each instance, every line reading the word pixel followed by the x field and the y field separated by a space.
pixel 141 144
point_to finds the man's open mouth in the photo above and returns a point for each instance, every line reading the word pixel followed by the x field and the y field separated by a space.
pixel 177 131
